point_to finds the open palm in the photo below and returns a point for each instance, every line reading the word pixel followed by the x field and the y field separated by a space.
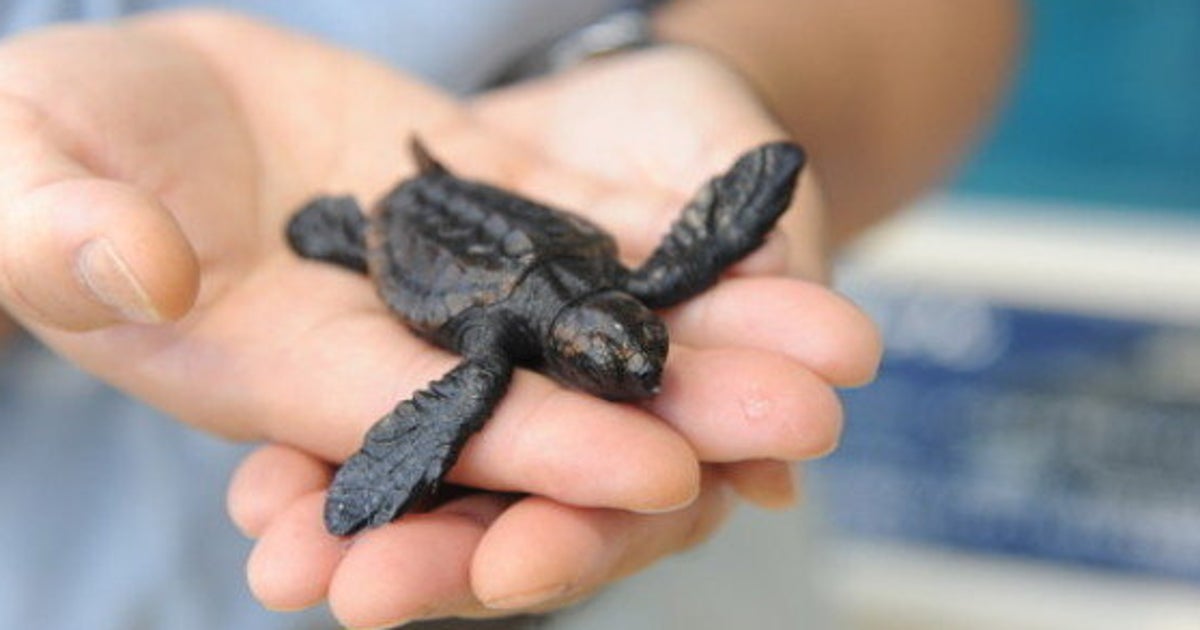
pixel 151 167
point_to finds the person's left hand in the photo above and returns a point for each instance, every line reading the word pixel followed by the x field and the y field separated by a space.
pixel 632 137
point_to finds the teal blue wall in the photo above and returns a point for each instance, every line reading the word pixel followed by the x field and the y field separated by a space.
pixel 1106 107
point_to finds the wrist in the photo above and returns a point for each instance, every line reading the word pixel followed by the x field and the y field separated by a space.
pixel 884 96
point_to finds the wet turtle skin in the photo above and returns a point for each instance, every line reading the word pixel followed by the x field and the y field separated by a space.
pixel 504 281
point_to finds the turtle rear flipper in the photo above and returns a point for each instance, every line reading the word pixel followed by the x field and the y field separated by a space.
pixel 331 229
pixel 728 218
pixel 405 455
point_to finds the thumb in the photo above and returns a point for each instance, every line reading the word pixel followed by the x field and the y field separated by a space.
pixel 79 252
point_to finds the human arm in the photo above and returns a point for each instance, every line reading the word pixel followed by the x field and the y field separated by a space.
pixel 886 96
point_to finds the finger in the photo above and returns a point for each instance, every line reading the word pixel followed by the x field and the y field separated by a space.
pixel 736 404
pixel 766 483
pixel 580 450
pixel 268 481
pixel 542 437
pixel 805 321
pixel 539 553
pixel 414 568
pixel 79 253
pixel 291 566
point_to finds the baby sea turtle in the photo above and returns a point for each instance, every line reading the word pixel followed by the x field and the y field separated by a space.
pixel 503 280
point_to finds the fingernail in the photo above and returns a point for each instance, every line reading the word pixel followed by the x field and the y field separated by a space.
pixel 112 282
pixel 526 599
pixel 772 487
pixel 782 496
pixel 680 504
pixel 668 509
pixel 781 492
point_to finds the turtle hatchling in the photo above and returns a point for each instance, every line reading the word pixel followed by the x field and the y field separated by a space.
pixel 505 281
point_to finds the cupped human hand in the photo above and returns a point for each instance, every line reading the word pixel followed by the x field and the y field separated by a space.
pixel 749 383
pixel 148 169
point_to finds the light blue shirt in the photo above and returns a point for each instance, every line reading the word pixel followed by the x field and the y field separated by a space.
pixel 456 44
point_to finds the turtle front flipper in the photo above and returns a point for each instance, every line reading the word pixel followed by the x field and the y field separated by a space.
pixel 728 218
pixel 405 455
pixel 331 229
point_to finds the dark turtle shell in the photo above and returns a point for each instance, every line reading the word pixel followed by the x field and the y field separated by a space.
pixel 439 245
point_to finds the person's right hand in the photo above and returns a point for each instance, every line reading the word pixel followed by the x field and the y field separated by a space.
pixel 147 171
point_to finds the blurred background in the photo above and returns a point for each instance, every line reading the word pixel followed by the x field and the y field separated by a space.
pixel 1030 455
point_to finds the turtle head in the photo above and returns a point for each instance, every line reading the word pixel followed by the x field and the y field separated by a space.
pixel 609 344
